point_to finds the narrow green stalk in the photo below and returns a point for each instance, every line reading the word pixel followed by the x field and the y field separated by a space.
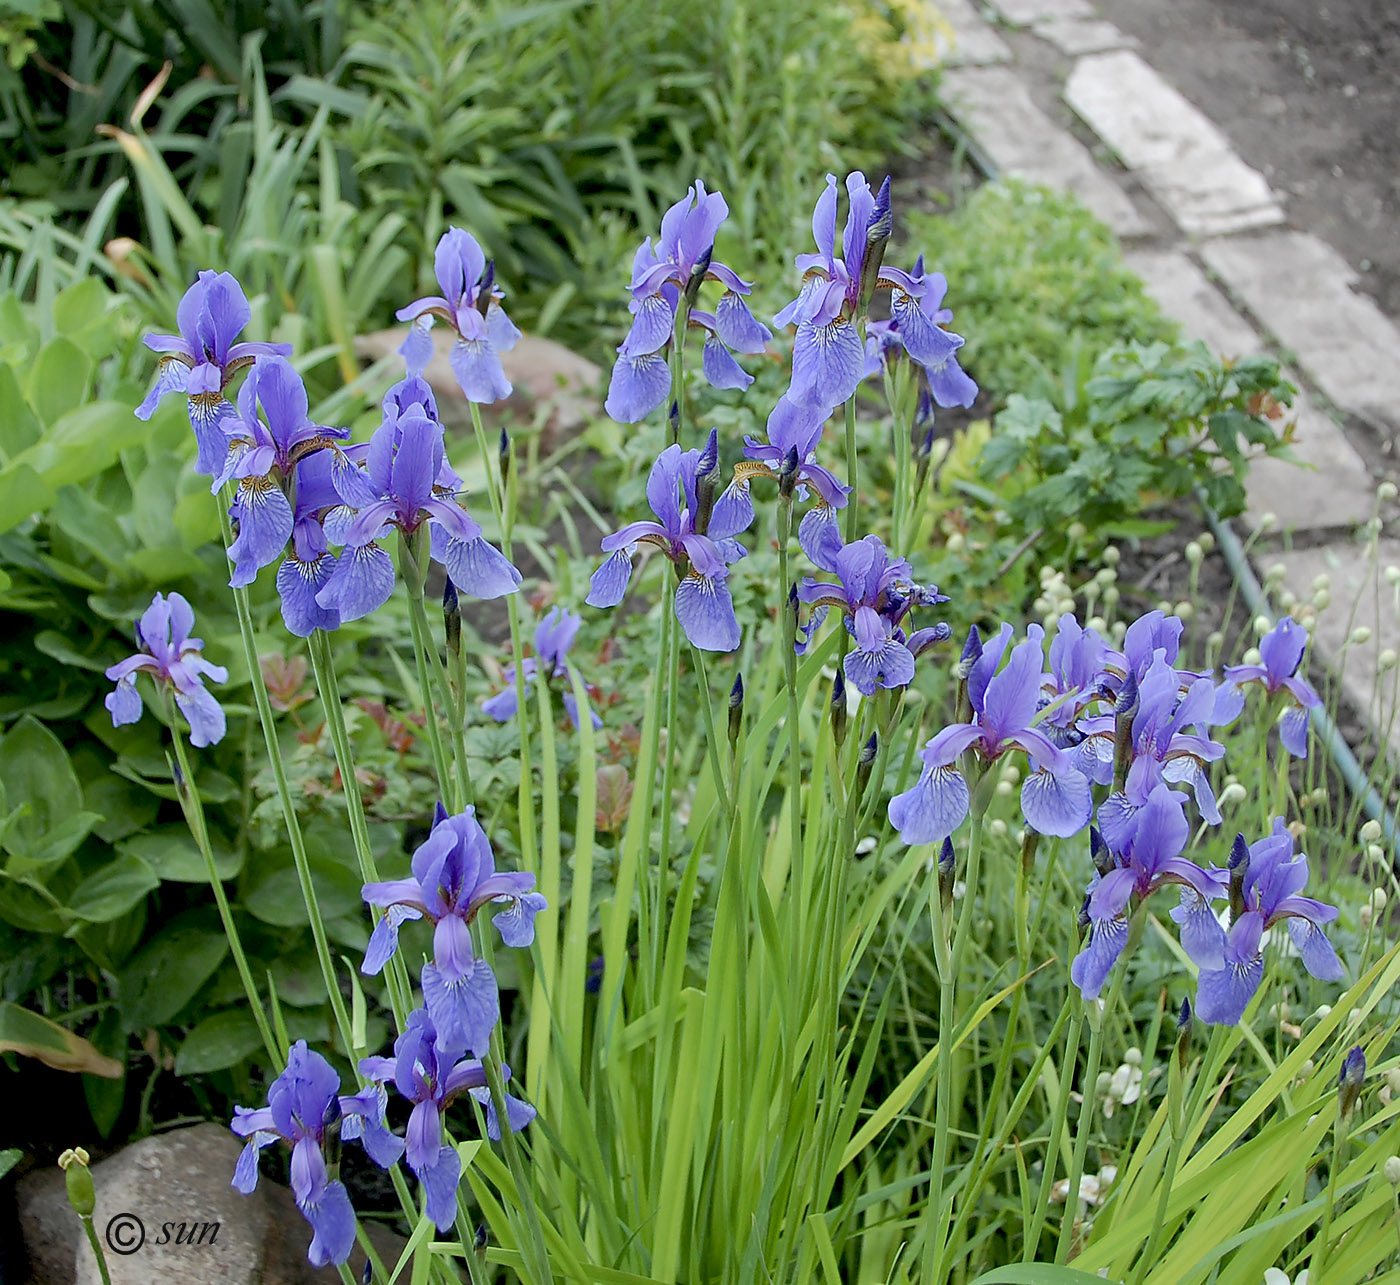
pixel 1159 1218
pixel 96 1244
pixel 193 809
pixel 712 737
pixel 534 1249
pixel 663 863
pixel 794 737
pixel 1340 1135
pixel 1057 1129
pixel 1083 1125
pixel 297 841
pixel 678 371
pixel 940 1204
pixel 852 470
pixel 422 641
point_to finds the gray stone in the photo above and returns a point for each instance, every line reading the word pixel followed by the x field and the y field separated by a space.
pixel 995 107
pixel 1300 289
pixel 1356 579
pixel 1076 36
pixel 161 1182
pixel 963 39
pixel 1187 164
pixel 1021 13
pixel 1336 490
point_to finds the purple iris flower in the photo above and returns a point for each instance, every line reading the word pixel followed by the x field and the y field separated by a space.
pixel 793 432
pixel 874 593
pixel 454 877
pixel 1281 651
pixel 1150 633
pixel 661 285
pixel 554 635
pixel 170 655
pixel 1055 798
pixel 828 354
pixel 470 304
pixel 704 606
pixel 202 359
pixel 1070 689
pixel 1151 860
pixel 399 487
pixel 303 1107
pixel 430 1072
pixel 1163 750
pixel 1265 880
pixel 916 327
pixel 262 455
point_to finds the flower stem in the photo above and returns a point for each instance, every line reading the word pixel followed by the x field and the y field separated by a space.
pixel 96 1244
pixel 1057 1128
pixel 852 468
pixel 794 739
pixel 1339 1156
pixel 295 838
pixel 193 809
pixel 1082 1127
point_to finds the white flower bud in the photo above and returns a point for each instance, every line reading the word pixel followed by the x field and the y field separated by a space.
pixel 1047 574
pixel 1041 605
pixel 997 828
pixel 1379 900
pixel 1185 610
pixel 1385 492
pixel 1111 556
pixel 1098 624
pixel 1005 789
pixel 1387 659
pixel 1363 918
pixel 1103 1083
pixel 1323 1011
pixel 1164 606
pixel 1322 599
pixel 1262 625
pixel 1194 553
pixel 1233 793
pixel 1305 1071
pixel 1133 1057
pixel 1011 774
pixel 1252 656
pixel 1110 596
pixel 1392 1078
pixel 955 542
pixel 1105 575
pixel 1361 634
pixel 1371 831
pixel 1275 573
pixel 1287 599
pixel 1206 540
pixel 1267 521
pixel 1322 581
pixel 1392 574
pixel 1306 615
pixel 1076 531
pixel 1065 606
pixel 1375 854
pixel 1215 640
pixel 1392 1170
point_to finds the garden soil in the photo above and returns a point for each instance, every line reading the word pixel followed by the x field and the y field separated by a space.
pixel 1309 94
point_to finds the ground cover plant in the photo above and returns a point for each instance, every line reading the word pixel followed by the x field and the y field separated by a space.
pixel 821 903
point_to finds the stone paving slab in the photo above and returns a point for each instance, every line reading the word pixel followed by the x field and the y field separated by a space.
pixel 1021 13
pixel 1182 158
pixel 1353 579
pixel 1076 36
pixel 1337 489
pixel 1299 289
pixel 972 42
pixel 995 107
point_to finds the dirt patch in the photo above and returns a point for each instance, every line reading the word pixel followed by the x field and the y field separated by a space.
pixel 1309 94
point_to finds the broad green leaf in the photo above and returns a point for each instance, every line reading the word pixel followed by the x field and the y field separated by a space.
pixel 172 853
pixel 1035 1274
pixel 105 1097
pixel 84 442
pixel 165 976
pixel 276 899
pixel 54 645
pixel 112 891
pixel 36 772
pixel 22 493
pixel 218 1042
pixel 80 307
pixel 19 430
pixel 58 379
pixel 35 1036
pixel 9 1159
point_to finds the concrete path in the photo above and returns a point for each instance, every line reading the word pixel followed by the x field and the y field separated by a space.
pixel 1053 93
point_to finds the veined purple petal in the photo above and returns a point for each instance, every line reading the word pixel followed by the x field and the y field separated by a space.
pixel 172 376
pixel 332 1218
pixel 1092 965
pixel 440 1179
pixel 478 368
pixel 1010 698
pixel 464 1011
pixel 1222 994
pixel 503 332
pixel 706 612
pixel 1319 957
pixel 207 416
pixel 204 715
pixel 245 1172
pixel 653 320
pixel 423 1137
pixel 819 535
pixel 384 940
pixel 608 583
pixel 124 703
pixel 298 583
pixel 361 583
pixel 1293 731
pixel 516 923
pixel 738 327
pixel 417 348
pixel 479 568
pixel 733 511
pixel 1056 803
pixel 720 367
pixel 452 948
pixel 264 520
pixel 828 363
pixel 637 387
pixel 933 808
pixel 949 384
pixel 1202 937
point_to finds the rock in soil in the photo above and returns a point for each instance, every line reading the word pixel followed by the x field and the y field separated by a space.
pixel 167 1201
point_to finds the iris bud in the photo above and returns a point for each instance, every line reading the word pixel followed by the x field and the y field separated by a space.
pixel 1239 875
pixel 77 1178
pixel 947 863
pixel 697 277
pixel 736 709
pixel 838 709
pixel 866 763
pixel 1349 1082
pixel 451 616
